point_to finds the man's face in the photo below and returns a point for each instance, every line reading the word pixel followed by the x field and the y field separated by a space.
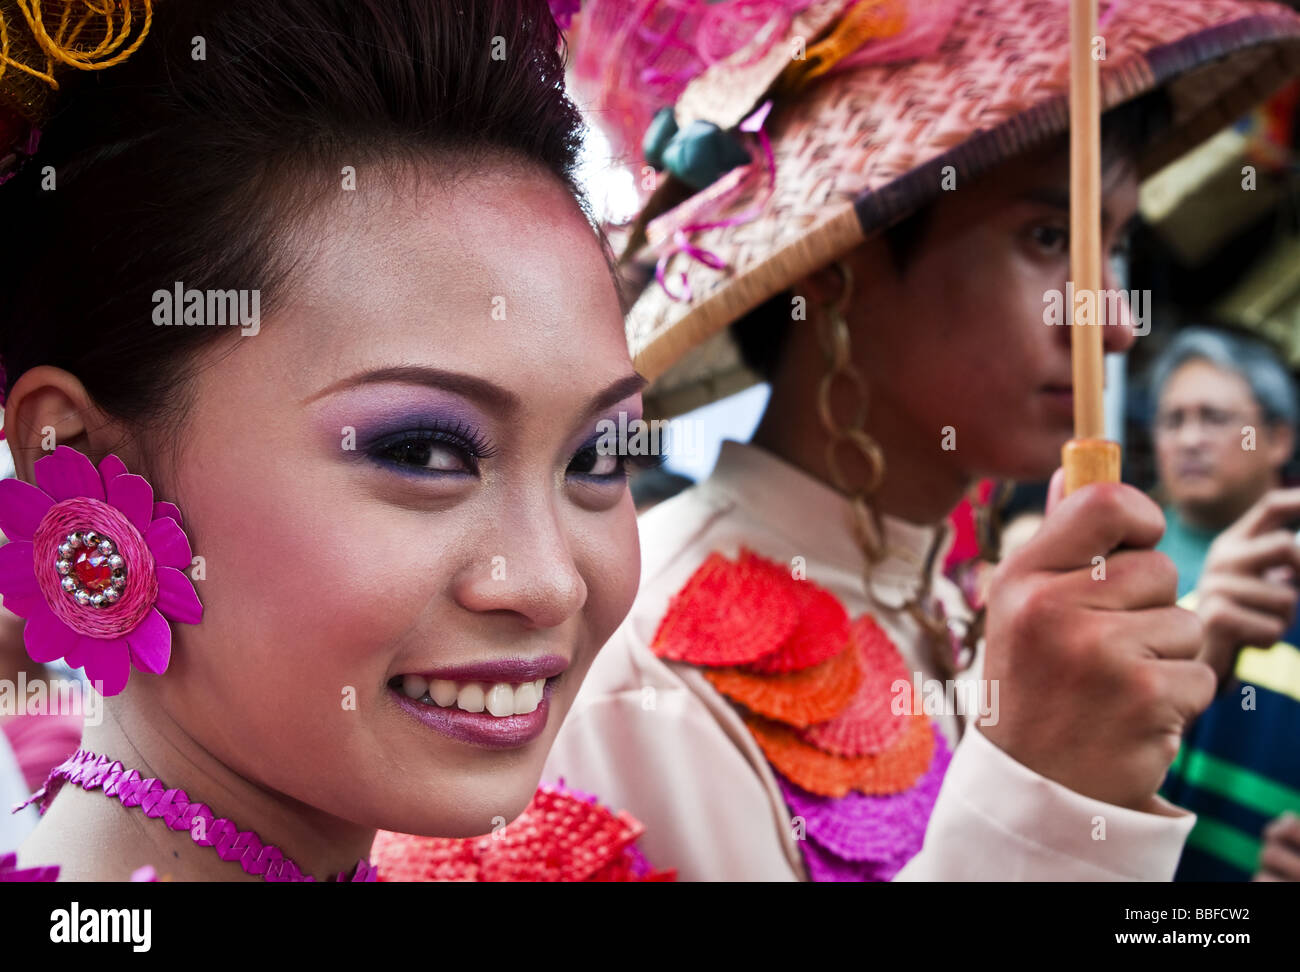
pixel 1215 451
pixel 958 339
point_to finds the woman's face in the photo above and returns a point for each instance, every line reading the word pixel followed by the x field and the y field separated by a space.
pixel 394 487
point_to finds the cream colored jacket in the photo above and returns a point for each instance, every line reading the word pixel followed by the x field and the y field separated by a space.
pixel 656 739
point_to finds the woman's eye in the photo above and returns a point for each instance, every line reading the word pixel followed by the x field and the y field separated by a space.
pixel 588 461
pixel 603 464
pixel 433 451
pixel 427 455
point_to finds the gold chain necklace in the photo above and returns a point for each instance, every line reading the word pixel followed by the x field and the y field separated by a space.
pixel 947 649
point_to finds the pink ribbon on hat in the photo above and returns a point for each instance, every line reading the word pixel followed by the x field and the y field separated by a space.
pixel 929 23
pixel 681 243
pixel 722 30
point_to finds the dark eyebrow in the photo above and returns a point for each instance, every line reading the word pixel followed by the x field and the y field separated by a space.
pixel 1058 197
pixel 617 391
pixel 476 389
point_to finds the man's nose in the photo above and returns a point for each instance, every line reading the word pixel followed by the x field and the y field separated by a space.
pixel 1191 434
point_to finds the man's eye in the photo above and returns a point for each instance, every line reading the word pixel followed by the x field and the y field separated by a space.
pixel 1052 239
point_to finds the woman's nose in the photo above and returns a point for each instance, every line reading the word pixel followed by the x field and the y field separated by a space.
pixel 529 572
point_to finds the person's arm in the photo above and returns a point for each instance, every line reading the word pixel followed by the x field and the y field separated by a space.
pixel 1098 675
pixel 996 820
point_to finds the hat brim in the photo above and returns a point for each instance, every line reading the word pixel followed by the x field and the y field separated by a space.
pixel 866 148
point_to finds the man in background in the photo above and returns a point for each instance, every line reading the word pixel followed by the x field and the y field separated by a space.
pixel 1224 429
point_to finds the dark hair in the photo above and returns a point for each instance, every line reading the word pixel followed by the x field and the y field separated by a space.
pixel 1245 355
pixel 761 335
pixel 171 168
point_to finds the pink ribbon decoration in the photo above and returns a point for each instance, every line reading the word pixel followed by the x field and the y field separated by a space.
pixel 661 45
pixel 754 124
pixel 928 24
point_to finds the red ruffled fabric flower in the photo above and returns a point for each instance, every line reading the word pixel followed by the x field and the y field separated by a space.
pixel 562 835
pixel 823 698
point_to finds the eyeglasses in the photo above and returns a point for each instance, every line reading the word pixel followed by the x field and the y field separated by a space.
pixel 1215 421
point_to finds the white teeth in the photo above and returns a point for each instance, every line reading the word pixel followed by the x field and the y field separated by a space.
pixel 414 686
pixel 526 698
pixel 501 700
pixel 470 697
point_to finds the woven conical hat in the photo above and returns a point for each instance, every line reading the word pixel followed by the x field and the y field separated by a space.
pixel 862 149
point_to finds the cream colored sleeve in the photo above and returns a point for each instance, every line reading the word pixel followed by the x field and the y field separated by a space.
pixel 996 820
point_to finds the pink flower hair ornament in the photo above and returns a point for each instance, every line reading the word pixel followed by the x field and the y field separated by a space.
pixel 563 11
pixel 96 567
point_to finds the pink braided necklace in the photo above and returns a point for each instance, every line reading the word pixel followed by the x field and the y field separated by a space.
pixel 89 771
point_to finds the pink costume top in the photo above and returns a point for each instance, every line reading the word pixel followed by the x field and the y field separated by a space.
pixel 42 742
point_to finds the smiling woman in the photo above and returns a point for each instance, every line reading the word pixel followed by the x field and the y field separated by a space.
pixel 405 544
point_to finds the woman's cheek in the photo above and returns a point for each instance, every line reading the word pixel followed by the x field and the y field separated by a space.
pixel 296 586
pixel 614 571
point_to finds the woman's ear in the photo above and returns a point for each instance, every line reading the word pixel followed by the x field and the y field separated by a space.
pixel 49 407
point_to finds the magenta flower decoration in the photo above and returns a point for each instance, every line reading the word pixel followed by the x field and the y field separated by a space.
pixel 96 568
pixel 10 871
pixel 563 11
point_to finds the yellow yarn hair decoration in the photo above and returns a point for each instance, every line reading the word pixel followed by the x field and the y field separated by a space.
pixel 84 45
pixel 41 39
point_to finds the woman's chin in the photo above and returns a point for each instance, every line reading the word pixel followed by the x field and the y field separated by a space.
pixel 460 810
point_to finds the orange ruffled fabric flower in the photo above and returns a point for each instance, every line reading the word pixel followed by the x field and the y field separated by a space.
pixel 817 693
pixel 892 771
pixel 799 698
pixel 562 835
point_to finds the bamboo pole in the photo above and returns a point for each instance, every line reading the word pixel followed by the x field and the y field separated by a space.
pixel 1088 457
